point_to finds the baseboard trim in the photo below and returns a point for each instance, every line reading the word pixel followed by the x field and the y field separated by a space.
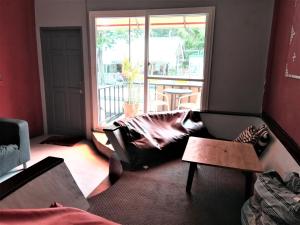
pixel 287 141
pixel 231 113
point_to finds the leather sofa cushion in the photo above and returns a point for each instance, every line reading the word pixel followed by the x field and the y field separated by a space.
pixel 157 131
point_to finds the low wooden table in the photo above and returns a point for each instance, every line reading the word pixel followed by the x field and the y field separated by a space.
pixel 225 154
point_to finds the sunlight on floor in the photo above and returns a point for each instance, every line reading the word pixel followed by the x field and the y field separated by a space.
pixel 86 165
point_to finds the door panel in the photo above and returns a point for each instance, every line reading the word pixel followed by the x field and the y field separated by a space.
pixel 173 47
pixel 74 71
pixel 60 108
pixel 74 42
pixel 119 65
pixel 56 41
pixel 176 61
pixel 57 70
pixel 75 104
pixel 63 73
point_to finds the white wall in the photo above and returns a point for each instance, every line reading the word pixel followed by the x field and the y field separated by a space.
pixel 275 156
pixel 65 13
pixel 240 47
pixel 241 42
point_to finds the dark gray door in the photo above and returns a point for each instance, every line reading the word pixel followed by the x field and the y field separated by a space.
pixel 63 77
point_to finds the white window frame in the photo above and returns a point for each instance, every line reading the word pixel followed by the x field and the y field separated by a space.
pixel 209 11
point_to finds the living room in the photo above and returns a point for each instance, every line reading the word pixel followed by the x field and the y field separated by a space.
pixel 250 71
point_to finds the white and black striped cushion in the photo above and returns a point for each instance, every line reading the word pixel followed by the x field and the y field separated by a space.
pixel 247 136
pixel 259 138
pixel 263 139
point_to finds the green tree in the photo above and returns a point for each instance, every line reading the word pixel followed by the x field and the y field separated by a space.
pixel 193 39
pixel 106 38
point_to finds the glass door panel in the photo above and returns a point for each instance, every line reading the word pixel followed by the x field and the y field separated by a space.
pixel 176 60
pixel 119 66
pixel 167 95
pixel 176 46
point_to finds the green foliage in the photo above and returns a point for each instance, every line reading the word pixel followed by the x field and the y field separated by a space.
pixel 193 38
pixel 110 37
pixel 129 72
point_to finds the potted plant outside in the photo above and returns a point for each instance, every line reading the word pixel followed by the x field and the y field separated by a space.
pixel 130 74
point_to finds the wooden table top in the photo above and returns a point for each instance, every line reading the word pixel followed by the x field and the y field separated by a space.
pixel 177 91
pixel 219 153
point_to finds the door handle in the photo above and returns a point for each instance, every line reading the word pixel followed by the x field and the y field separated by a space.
pixel 80 92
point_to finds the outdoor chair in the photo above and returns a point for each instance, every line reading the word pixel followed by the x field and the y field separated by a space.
pixel 191 101
pixel 161 100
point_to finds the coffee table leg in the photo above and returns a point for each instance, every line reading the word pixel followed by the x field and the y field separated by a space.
pixel 192 169
pixel 248 184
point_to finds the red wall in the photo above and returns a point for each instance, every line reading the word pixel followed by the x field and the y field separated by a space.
pixel 20 87
pixel 282 96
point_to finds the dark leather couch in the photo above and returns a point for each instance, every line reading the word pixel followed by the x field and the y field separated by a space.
pixel 151 138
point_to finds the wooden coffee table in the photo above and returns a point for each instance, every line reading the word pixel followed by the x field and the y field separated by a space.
pixel 219 153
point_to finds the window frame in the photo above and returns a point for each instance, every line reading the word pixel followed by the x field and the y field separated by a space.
pixel 209 11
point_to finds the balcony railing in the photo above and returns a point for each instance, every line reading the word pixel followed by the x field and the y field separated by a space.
pixel 110 101
pixel 111 98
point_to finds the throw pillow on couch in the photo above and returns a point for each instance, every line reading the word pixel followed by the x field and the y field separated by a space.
pixel 258 137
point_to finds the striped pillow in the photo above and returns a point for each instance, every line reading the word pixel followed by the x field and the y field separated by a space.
pixel 263 139
pixel 247 136
pixel 259 138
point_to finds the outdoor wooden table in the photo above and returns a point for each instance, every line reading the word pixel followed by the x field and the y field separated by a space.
pixel 174 92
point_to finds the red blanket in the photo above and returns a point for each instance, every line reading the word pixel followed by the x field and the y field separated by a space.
pixel 50 216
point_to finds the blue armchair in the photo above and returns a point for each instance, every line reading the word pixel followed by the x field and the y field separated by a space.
pixel 14 144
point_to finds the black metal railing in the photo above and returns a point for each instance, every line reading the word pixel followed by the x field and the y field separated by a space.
pixel 111 98
pixel 110 101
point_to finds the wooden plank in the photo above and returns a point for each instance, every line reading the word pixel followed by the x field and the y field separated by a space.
pixel 54 185
pixel 219 153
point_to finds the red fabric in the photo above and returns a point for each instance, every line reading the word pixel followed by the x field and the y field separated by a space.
pixel 50 216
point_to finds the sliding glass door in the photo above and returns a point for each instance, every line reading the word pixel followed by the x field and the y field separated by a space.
pixel 176 61
pixel 119 65
pixel 149 61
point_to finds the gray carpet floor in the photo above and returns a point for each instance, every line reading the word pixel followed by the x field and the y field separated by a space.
pixel 157 196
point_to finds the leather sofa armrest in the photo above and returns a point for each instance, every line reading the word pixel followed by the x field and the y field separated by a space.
pixel 115 138
pixel 111 128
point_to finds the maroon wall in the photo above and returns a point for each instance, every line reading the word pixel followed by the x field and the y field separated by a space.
pixel 20 86
pixel 282 96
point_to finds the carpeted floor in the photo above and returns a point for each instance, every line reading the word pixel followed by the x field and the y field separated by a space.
pixel 157 196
